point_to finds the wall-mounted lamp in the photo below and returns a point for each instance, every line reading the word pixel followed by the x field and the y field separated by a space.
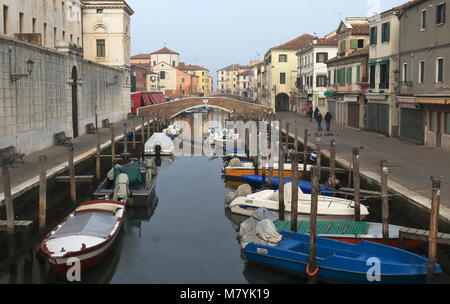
pixel 116 80
pixel 15 77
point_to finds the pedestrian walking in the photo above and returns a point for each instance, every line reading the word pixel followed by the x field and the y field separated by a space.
pixel 316 111
pixel 319 119
pixel 310 114
pixel 328 118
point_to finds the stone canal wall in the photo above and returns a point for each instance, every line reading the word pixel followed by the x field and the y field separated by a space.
pixel 63 93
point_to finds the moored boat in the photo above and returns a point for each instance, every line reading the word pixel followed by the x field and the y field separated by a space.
pixel 306 186
pixel 328 207
pixel 159 144
pixel 339 262
pixel 248 168
pixel 140 186
pixel 87 235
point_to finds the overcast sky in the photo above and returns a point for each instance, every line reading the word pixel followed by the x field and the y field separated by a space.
pixel 217 33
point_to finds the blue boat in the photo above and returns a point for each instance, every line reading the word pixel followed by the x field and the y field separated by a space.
pixel 340 262
pixel 306 186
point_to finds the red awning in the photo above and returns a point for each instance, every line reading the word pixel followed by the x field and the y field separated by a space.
pixel 147 100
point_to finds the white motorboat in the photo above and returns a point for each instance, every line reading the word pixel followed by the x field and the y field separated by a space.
pixel 330 208
pixel 173 131
pixel 159 144
pixel 222 135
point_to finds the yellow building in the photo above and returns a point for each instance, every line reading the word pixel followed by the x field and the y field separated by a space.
pixel 204 83
pixel 281 72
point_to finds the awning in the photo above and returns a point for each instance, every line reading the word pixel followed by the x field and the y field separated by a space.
pixel 382 62
pixel 431 100
pixel 406 99
pixel 329 94
pixel 147 100
pixel 372 62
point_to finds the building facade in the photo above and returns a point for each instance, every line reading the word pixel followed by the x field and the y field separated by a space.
pixel 382 112
pixel 312 74
pixel 424 84
pixel 347 73
pixel 281 73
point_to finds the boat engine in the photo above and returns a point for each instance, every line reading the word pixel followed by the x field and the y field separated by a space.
pixel 122 189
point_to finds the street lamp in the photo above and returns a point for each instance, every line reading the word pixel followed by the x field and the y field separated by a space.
pixel 15 77
pixel 116 80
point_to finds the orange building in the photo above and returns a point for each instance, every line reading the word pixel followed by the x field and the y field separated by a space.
pixel 187 85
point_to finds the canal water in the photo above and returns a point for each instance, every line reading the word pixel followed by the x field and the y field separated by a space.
pixel 188 238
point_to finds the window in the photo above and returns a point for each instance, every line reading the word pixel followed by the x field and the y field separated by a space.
pixel 384 75
pixel 372 76
pixel 321 57
pixel 386 32
pixel 173 63
pixel 447 123
pixel 440 13
pixel 154 63
pixel 433 121
pixel 33 25
pixel 20 23
pixel 405 72
pixel 342 46
pixel 282 58
pixel 101 48
pixel 373 35
pixel 321 81
pixel 45 34
pixel 360 43
pixel 440 70
pixel 348 75
pixel 63 35
pixel 423 20
pixel 54 36
pixel 282 78
pixel 341 76
pixel 182 80
pixel 71 38
pixel 5 19
pixel 358 73
pixel 421 71
pixel 162 75
pixel 100 11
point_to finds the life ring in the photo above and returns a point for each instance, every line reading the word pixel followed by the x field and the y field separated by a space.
pixel 314 273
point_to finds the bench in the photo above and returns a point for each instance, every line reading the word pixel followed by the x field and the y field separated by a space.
pixel 91 129
pixel 9 154
pixel 106 124
pixel 61 139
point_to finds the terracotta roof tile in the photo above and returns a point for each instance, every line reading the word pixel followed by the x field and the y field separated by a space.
pixel 190 67
pixel 164 50
pixel 295 44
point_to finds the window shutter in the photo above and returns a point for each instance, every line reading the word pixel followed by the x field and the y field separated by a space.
pixel 343 46
pixel 358 73
pixel 388 32
pixel 354 44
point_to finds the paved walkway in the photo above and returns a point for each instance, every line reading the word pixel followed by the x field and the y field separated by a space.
pixel 411 165
pixel 26 176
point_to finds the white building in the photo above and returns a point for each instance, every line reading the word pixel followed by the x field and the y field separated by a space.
pixel 313 73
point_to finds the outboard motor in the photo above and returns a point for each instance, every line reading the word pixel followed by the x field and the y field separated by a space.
pixel 158 149
pixel 122 189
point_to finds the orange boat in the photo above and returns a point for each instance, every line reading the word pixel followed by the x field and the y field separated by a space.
pixel 249 169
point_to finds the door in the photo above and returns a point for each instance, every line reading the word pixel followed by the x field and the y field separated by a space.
pixel 75 102
pixel 411 125
pixel 378 118
pixel 353 115
pixel 332 108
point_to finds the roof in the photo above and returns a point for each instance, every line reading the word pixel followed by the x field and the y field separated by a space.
pixel 141 56
pixel 360 29
pixel 356 53
pixel 295 44
pixel 331 41
pixel 190 67
pixel 245 73
pixel 235 67
pixel 407 4
pixel 164 50
pixel 130 10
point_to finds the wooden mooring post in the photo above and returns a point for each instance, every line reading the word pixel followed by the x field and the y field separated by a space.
pixel 125 138
pixel 434 225
pixel 42 191
pixel 357 184
pixel 263 169
pixel 333 164
pixel 287 140
pixel 294 198
pixel 385 200
pixel 73 185
pixel 295 139
pixel 113 145
pixel 281 207
pixel 134 136
pixel 143 132
pixel 98 157
pixel 305 151
pixel 10 217
pixel 311 268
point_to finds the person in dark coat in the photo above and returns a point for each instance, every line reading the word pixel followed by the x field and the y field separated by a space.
pixel 319 119
pixel 310 114
pixel 328 118
pixel 316 111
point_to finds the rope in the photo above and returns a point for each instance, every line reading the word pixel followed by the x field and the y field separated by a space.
pixel 311 274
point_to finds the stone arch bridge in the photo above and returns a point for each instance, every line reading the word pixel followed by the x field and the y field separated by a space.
pixel 174 108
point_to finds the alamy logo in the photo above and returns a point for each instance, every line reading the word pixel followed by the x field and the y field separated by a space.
pixel 74 272
pixel 374 272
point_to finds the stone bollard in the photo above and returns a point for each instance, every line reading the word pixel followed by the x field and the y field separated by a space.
pixel 235 162
pixel 243 190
